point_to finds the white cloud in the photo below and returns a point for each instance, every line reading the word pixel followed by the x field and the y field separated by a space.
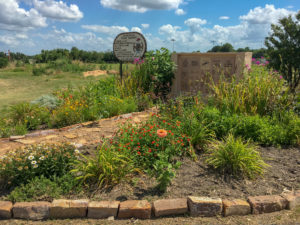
pixel 251 31
pixel 290 7
pixel 141 6
pixel 265 15
pixel 58 10
pixel 136 29
pixel 60 38
pixel 12 17
pixel 194 24
pixel 109 30
pixel 180 12
pixel 145 25
pixel 224 17
pixel 168 29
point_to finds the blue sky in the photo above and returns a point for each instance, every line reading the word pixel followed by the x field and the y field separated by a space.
pixel 32 25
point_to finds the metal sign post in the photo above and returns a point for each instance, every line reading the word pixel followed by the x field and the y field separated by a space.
pixel 129 46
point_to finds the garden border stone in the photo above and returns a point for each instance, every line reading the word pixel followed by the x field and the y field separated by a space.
pixel 5 209
pixel 141 209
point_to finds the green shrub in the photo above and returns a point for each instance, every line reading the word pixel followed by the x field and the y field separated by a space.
pixel 105 169
pixel 259 92
pixel 38 189
pixel 38 71
pixel 234 157
pixel 29 115
pixel 21 166
pixel 3 62
pixel 152 152
pixel 155 73
pixel 48 101
pixel 45 189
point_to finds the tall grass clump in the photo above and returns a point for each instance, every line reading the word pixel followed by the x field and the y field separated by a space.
pixel 258 92
pixel 105 169
pixel 234 157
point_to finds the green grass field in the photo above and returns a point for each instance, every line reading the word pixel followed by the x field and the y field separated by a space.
pixel 16 87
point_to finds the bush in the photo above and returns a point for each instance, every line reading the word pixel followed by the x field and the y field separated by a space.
pixel 105 169
pixel 44 189
pixel 155 73
pixel 233 157
pixel 260 92
pixel 29 115
pixel 38 71
pixel 38 189
pixel 48 101
pixel 153 147
pixel 3 62
pixel 39 160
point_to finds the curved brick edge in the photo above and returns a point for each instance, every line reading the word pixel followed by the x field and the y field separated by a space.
pixel 142 209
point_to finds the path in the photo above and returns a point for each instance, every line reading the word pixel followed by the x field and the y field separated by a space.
pixel 83 134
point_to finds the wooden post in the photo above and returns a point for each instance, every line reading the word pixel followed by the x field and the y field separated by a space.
pixel 121 70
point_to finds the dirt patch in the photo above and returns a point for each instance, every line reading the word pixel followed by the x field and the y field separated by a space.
pixel 195 178
pixel 97 73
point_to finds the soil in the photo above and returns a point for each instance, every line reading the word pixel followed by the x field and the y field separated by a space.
pixel 96 73
pixel 195 178
pixel 285 217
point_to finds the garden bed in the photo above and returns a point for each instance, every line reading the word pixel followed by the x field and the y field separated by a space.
pixel 195 178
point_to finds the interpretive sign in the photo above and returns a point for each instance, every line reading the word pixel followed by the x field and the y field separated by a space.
pixel 129 46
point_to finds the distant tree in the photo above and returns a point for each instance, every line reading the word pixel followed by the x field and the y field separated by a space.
pixel 284 49
pixel 3 61
pixel 227 47
pixel 247 49
pixel 258 53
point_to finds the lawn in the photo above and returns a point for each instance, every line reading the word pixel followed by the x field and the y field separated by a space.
pixel 18 84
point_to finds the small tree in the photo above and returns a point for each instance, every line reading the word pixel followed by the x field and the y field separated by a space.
pixel 284 49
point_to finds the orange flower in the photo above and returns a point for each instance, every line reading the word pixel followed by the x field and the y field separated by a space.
pixel 161 133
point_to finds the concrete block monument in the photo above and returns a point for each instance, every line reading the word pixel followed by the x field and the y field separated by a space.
pixel 194 69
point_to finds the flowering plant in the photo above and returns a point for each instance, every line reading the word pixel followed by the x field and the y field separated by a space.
pixel 21 166
pixel 154 145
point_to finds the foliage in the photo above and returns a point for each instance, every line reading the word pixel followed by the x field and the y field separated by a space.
pixel 44 189
pixel 227 47
pixel 283 48
pixel 155 72
pixel 21 166
pixel 236 158
pixel 29 115
pixel 39 188
pixel 105 169
pixel 49 101
pixel 38 71
pixel 152 151
pixel 3 62
pixel 259 92
pixel 47 56
pixel 188 112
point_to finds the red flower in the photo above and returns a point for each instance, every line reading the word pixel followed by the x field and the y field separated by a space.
pixel 138 153
pixel 149 150
pixel 153 142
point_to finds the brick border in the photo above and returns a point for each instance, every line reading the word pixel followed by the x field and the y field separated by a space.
pixel 142 209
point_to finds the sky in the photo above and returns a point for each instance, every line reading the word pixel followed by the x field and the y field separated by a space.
pixel 28 26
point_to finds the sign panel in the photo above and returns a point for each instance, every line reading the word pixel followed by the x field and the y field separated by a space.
pixel 129 46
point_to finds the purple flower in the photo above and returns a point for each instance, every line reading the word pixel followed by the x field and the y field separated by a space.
pixel 266 62
pixel 253 59
pixel 280 77
pixel 257 62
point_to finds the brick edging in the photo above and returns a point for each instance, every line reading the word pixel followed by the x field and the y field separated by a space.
pixel 142 209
